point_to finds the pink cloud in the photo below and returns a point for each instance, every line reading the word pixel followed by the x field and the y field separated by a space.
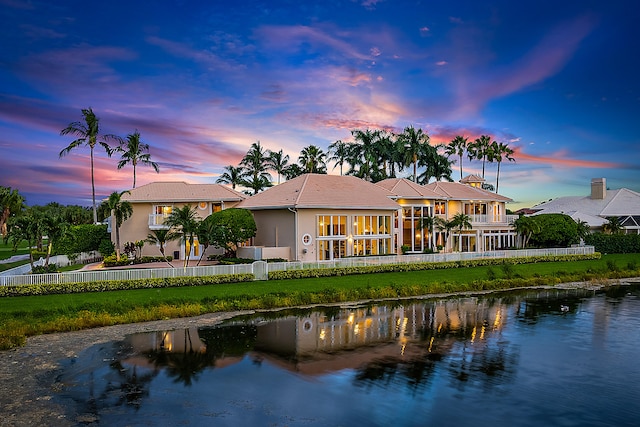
pixel 561 159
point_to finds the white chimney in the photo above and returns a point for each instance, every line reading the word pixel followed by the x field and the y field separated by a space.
pixel 598 188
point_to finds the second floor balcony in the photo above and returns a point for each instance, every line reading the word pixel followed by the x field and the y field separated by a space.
pixel 156 221
pixel 493 219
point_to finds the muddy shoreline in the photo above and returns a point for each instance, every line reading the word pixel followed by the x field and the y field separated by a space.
pixel 28 375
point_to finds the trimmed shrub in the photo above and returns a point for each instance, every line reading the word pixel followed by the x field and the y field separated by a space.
pixel 614 243
pixel 390 268
pixel 122 285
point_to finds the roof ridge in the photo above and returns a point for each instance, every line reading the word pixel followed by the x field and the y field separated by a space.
pixel 617 192
pixel 304 184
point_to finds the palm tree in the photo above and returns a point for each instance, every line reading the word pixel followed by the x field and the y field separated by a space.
pixel 458 146
pixel 583 229
pixel 55 228
pixel 460 222
pixel 160 238
pixel 414 140
pixel 256 184
pixel 292 171
pixel 313 159
pixel 121 210
pixel 526 226
pixel 278 162
pixel 480 149
pixel 365 154
pixel 88 133
pixel 338 153
pixel 500 151
pixel 185 220
pixel 255 163
pixel 613 226
pixel 233 175
pixel 11 204
pixel 23 228
pixel 135 152
pixel 445 226
pixel 436 165
pixel 427 223
pixel 388 154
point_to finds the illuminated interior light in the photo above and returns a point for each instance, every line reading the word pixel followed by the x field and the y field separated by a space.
pixel 498 319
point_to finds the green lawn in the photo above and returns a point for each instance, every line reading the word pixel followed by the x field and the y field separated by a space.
pixel 6 250
pixel 24 316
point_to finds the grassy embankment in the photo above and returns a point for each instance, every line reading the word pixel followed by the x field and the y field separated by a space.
pixel 21 317
pixel 6 252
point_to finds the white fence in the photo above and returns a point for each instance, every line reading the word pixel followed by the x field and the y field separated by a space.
pixel 262 268
pixel 59 260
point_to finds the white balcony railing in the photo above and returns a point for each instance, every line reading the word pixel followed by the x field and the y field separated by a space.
pixel 156 221
pixel 493 219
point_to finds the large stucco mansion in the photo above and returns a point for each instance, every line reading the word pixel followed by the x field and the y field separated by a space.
pixel 317 217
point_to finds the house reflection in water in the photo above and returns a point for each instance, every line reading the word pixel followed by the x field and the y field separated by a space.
pixel 328 339
pixel 349 338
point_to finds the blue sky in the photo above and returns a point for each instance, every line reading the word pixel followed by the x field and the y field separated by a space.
pixel 201 81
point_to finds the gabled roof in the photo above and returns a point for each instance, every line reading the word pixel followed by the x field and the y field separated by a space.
pixel 182 192
pixel 457 191
pixel 620 203
pixel 322 191
pixel 403 188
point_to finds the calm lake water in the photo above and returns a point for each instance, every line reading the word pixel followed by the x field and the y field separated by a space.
pixel 528 358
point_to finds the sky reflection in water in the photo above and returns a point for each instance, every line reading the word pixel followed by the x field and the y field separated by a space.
pixel 507 358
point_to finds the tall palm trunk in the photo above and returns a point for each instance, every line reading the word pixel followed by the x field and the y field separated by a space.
pixel 93 190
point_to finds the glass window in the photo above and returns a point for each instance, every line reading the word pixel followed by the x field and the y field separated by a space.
pixel 372 224
pixel 335 225
pixel 164 210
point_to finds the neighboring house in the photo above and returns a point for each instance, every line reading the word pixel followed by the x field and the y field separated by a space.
pixel 153 203
pixel 491 226
pixel 596 208
pixel 322 217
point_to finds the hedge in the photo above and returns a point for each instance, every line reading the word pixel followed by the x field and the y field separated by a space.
pixel 121 285
pixel 394 268
pixel 614 243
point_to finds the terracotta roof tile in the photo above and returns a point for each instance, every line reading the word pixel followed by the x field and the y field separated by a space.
pixel 406 189
pixel 322 191
pixel 457 191
pixel 182 192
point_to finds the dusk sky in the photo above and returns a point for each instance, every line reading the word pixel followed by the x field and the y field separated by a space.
pixel 201 81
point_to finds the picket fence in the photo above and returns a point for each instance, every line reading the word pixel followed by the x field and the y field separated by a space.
pixel 261 269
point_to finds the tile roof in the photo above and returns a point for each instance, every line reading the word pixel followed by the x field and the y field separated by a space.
pixel 182 192
pixel 457 191
pixel 322 191
pixel 471 179
pixel 406 189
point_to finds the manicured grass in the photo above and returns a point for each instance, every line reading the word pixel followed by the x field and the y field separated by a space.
pixel 24 316
pixel 6 250
pixel 10 265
